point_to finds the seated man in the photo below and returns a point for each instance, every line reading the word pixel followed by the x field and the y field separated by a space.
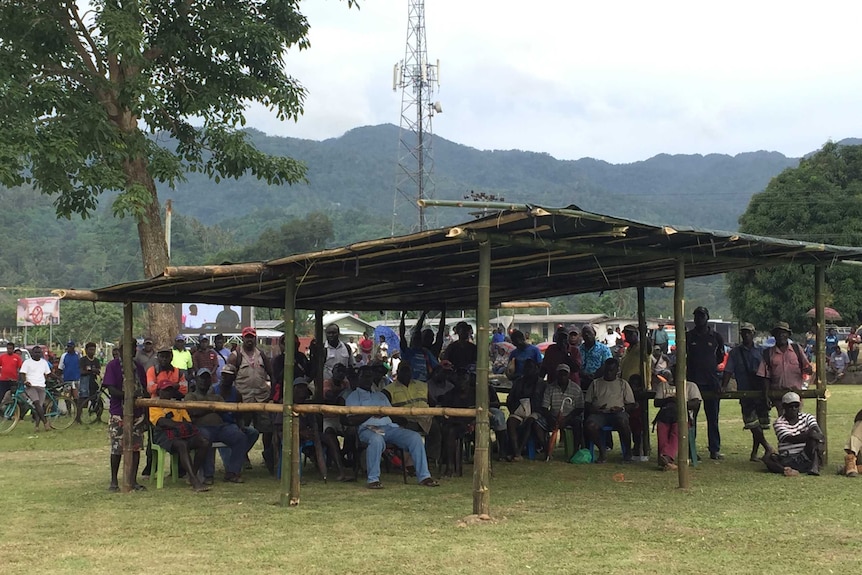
pixel 609 399
pixel 216 429
pixel 229 393
pixel 524 402
pixel 376 431
pixel 853 449
pixel 800 441
pixel 174 432
pixel 838 362
pixel 408 392
pixel 309 430
pixel 462 395
pixel 562 407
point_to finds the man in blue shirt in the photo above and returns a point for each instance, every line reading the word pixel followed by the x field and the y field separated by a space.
pixel 522 352
pixel 70 366
pixel 594 354
pixel 742 364
pixel 376 432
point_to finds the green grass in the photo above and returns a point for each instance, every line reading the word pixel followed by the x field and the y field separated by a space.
pixel 549 518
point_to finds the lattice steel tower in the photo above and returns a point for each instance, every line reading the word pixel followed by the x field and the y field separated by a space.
pixel 418 81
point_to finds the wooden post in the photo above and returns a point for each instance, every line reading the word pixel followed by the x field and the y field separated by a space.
pixel 681 366
pixel 128 396
pixel 482 458
pixel 320 357
pixel 820 357
pixel 644 371
pixel 289 487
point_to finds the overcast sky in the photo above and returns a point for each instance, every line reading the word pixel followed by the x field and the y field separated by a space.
pixel 616 80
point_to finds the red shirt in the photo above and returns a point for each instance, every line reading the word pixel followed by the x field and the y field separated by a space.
pixel 10 364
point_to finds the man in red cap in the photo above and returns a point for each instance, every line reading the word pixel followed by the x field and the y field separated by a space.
pixel 252 371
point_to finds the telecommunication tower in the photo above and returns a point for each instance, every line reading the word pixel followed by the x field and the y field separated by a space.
pixel 418 81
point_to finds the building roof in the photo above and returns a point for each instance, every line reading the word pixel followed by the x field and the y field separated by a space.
pixel 536 253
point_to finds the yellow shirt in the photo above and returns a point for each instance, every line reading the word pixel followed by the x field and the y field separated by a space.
pixel 156 413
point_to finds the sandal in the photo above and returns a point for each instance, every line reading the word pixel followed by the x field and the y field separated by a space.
pixel 139 487
pixel 375 485
pixel 429 482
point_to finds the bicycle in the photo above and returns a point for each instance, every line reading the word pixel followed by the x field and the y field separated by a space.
pixel 96 404
pixel 60 408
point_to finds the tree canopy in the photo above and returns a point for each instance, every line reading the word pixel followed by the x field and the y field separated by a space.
pixel 90 92
pixel 819 201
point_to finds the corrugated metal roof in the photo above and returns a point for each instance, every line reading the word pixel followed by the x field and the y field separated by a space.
pixel 536 253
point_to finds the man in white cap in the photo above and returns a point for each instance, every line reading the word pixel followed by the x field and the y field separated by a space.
pixel 800 441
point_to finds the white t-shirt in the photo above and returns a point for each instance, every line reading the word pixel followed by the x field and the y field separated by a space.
pixel 35 371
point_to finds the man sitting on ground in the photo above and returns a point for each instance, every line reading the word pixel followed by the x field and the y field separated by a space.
pixel 608 400
pixel 376 431
pixel 215 429
pixel 800 441
pixel 562 407
pixel 173 431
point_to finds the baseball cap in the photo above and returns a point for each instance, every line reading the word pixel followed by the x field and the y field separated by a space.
pixel 204 370
pixel 745 326
pixel 631 327
pixel 791 397
pixel 166 350
pixel 572 329
pixel 148 340
pixel 701 309
pixel 180 337
pixel 249 331
pixel 70 342
pixel 564 367
pixel 229 369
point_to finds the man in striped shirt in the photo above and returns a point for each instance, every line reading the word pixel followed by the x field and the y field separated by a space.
pixel 800 441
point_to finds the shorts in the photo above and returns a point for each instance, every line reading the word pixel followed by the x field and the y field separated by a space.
pixel 115 434
pixel 36 394
pixel 755 413
pixel 73 384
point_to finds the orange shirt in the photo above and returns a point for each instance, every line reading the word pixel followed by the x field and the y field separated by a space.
pixel 174 376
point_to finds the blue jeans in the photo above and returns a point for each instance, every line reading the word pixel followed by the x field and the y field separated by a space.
pixel 251 435
pixel 403 438
pixel 230 435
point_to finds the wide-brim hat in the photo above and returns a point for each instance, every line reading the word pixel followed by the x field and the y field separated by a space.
pixel 745 326
pixel 781 326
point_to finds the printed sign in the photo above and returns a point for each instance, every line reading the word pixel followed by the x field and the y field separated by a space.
pixel 33 311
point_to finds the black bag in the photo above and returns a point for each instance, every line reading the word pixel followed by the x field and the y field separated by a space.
pixel 667 413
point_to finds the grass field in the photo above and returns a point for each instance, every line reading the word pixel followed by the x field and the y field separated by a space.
pixel 548 517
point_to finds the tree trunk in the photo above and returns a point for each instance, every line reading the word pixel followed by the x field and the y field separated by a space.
pixel 154 251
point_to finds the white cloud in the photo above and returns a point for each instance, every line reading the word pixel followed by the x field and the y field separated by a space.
pixel 619 80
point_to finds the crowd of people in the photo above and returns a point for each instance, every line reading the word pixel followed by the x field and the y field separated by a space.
pixel 579 384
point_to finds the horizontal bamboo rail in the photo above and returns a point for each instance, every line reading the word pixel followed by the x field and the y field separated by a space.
pixel 309 408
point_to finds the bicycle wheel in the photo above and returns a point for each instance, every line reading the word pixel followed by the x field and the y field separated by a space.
pixel 92 409
pixel 9 417
pixel 61 411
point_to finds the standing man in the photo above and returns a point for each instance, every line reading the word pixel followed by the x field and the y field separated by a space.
pixel 705 350
pixel 181 358
pixel 594 354
pixel 335 350
pixel 523 351
pixel 32 377
pixel 224 354
pixel 252 371
pixel 69 367
pixel 205 357
pixel 784 365
pixel 146 357
pixel 113 382
pixel 10 365
pixel 743 363
pixel 91 369
pixel 831 341
pixel 462 352
pixel 660 338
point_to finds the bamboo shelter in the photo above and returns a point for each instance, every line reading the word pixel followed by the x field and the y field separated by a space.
pixel 518 252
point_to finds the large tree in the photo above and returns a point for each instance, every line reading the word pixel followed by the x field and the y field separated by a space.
pixel 818 201
pixel 89 90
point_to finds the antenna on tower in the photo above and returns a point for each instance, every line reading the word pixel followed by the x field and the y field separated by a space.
pixel 418 80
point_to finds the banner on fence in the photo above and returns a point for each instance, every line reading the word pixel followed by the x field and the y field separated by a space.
pixel 33 311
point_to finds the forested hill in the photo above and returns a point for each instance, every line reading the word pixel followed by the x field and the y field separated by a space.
pixel 358 170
